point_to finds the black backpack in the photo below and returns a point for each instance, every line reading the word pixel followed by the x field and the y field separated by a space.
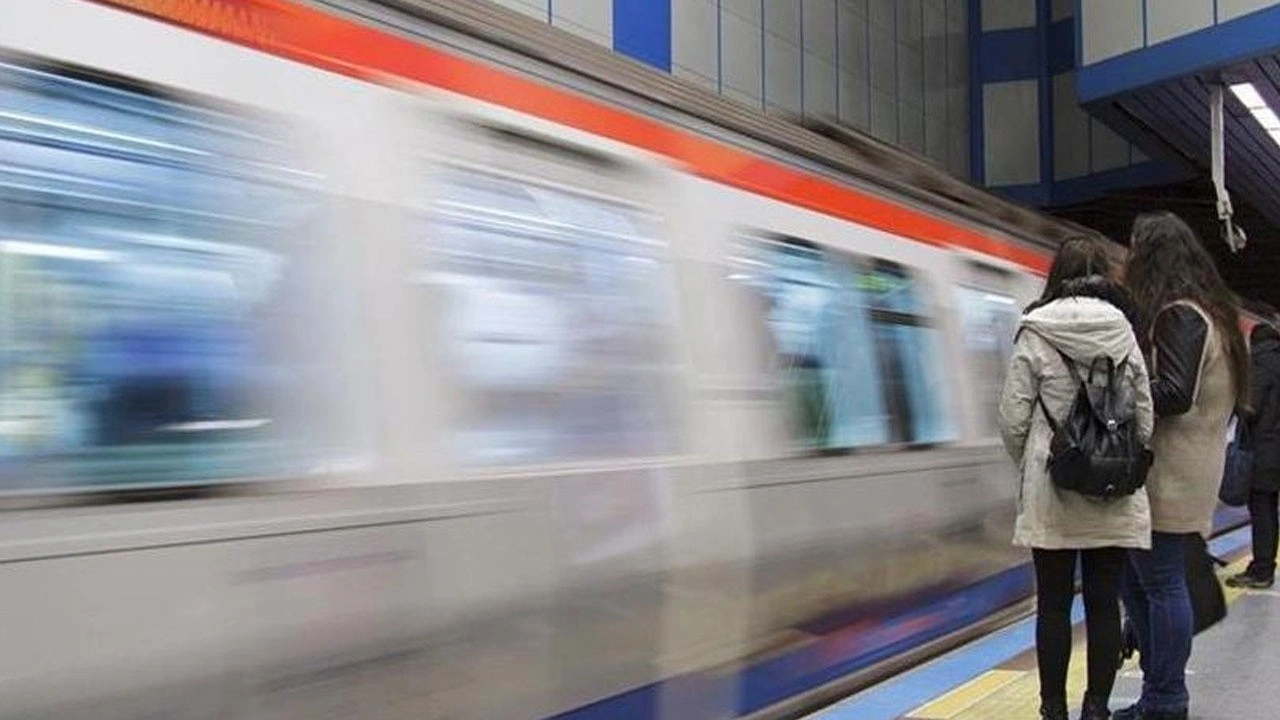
pixel 1096 450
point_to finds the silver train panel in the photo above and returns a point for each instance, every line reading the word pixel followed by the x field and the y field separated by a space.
pixel 405 572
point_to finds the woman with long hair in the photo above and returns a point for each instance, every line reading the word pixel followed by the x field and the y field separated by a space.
pixel 1199 376
pixel 1079 320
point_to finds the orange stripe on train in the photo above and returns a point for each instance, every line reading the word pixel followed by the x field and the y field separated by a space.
pixel 316 38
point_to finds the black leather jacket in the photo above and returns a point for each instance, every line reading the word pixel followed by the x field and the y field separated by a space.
pixel 1178 337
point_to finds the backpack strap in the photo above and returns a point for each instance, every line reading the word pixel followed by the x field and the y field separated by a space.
pixel 1071 369
pixel 1053 424
pixel 1071 364
pixel 1114 369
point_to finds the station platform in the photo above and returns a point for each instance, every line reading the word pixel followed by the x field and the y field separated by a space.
pixel 1231 674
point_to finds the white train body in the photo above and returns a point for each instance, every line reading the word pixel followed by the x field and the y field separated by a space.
pixel 538 440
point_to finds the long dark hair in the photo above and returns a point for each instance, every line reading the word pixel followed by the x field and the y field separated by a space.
pixel 1083 268
pixel 1167 263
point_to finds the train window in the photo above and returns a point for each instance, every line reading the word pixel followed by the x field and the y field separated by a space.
pixel 557 322
pixel 151 293
pixel 821 310
pixel 988 321
pixel 907 351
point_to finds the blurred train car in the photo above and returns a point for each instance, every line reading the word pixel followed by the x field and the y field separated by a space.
pixel 412 360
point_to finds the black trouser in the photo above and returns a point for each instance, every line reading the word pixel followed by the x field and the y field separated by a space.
pixel 1055 589
pixel 1266 530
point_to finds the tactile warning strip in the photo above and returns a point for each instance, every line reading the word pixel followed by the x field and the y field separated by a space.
pixel 1011 691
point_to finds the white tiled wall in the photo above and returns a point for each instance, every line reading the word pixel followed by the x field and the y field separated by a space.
pixel 958 109
pixel 1070 130
pixel 1007 14
pixel 1170 18
pixel 897 68
pixel 783 69
pixel 1011 132
pixel 591 19
pixel 1081 145
pixel 1109 28
pixel 532 8
pixel 1232 9
pixel 695 51
pixel 1114 27
pixel 1107 150
pixel 821 80
pixel 741 51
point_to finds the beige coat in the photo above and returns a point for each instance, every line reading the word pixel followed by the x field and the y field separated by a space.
pixel 1083 328
pixel 1190 449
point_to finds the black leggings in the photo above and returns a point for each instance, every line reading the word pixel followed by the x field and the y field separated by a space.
pixel 1055 589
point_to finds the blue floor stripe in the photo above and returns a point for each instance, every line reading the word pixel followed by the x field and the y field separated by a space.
pixel 901 695
pixel 897 697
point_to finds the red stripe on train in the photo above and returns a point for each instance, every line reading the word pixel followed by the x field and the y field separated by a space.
pixel 316 38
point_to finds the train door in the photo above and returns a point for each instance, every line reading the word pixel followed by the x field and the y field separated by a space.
pixel 987 311
pixel 540 307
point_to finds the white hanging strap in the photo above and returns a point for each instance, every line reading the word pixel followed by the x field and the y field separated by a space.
pixel 1233 235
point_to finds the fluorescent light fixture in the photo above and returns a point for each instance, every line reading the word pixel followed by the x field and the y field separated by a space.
pixel 60 252
pixel 1253 101
pixel 1268 118
pixel 1247 94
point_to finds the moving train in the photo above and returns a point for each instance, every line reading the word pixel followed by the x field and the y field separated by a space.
pixel 414 360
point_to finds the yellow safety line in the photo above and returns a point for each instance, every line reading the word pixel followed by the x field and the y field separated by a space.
pixel 966 696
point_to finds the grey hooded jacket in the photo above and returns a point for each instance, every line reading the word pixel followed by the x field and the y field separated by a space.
pixel 1083 328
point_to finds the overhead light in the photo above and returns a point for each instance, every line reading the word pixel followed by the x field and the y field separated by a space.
pixel 1253 101
pixel 1247 94
pixel 60 252
pixel 1268 118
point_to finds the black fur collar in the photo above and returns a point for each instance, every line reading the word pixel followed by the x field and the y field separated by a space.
pixel 1093 286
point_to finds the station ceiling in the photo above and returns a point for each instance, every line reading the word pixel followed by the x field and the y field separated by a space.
pixel 1254 272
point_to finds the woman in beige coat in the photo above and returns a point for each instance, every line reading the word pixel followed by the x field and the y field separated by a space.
pixel 1078 317
pixel 1200 374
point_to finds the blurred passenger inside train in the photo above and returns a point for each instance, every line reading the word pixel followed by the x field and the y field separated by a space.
pixel 1200 376
pixel 1077 322
pixel 1264 430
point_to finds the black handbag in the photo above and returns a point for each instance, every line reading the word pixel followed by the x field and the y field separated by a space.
pixel 1237 472
pixel 1208 602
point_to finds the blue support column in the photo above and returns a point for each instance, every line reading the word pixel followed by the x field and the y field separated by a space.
pixel 977 145
pixel 642 30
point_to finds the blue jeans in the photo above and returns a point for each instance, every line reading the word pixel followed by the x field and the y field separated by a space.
pixel 1155 596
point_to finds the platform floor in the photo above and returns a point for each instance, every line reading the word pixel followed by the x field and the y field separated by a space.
pixel 1233 675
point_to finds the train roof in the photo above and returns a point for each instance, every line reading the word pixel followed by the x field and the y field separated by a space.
pixel 834 146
